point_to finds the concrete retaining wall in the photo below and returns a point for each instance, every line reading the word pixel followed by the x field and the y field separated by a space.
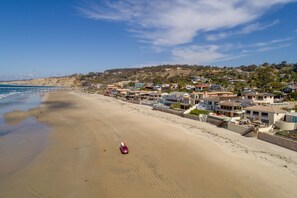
pixel 280 141
pixel 132 101
pixel 193 117
pixel 286 126
pixel 171 111
pixel 237 128
pixel 215 120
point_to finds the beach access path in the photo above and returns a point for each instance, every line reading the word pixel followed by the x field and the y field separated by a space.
pixel 169 156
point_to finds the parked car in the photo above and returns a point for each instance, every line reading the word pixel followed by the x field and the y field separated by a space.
pixel 124 149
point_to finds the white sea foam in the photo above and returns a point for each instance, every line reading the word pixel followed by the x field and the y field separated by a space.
pixel 2 96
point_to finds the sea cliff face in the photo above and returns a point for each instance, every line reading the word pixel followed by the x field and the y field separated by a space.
pixel 55 81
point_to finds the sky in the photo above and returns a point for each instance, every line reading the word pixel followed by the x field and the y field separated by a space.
pixel 40 38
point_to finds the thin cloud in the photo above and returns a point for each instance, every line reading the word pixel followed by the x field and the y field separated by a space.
pixel 264 49
pixel 275 41
pixel 245 30
pixel 202 54
pixel 175 22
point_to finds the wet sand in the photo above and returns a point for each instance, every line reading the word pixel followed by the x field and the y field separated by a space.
pixel 169 156
pixel 20 144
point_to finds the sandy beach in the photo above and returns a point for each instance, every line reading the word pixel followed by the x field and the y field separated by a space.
pixel 169 156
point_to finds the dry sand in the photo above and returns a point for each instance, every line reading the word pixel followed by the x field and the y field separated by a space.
pixel 169 156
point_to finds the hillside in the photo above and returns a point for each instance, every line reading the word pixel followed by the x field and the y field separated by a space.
pixel 265 77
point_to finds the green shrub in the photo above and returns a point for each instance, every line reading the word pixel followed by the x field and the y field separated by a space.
pixel 287 134
pixel 175 106
pixel 198 112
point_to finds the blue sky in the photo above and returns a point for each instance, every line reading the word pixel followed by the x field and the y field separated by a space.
pixel 45 38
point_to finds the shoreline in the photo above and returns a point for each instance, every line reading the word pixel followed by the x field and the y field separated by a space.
pixel 169 156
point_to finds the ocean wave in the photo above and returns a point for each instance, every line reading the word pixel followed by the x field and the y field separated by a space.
pixel 2 96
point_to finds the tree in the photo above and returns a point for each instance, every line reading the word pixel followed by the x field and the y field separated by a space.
pixel 266 79
pixel 292 96
pixel 131 84
pixel 295 67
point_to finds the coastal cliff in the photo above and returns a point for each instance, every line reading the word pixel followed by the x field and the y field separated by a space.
pixel 54 81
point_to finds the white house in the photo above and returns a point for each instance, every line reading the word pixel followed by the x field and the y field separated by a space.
pixel 266 114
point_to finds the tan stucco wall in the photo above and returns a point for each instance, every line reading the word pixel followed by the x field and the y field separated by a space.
pixel 286 126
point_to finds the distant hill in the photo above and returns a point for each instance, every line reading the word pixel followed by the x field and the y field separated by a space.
pixel 265 77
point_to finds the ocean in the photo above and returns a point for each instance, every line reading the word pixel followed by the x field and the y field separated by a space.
pixel 22 142
pixel 16 97
pixel 22 98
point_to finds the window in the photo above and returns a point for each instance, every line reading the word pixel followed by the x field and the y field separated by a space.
pixel 265 114
pixel 248 112
pixel 265 121
pixel 226 107
pixel 255 113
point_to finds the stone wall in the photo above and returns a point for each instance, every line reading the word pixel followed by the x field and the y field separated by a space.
pixel 280 141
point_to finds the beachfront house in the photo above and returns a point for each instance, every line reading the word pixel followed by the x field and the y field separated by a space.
pixel 132 95
pixel 143 95
pixel 196 97
pixel 122 92
pixel 268 114
pixel 211 103
pixel 154 96
pixel 173 97
pixel 230 108
pixel 259 98
pixel 109 89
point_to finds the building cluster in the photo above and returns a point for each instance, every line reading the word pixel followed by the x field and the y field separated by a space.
pixel 262 110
